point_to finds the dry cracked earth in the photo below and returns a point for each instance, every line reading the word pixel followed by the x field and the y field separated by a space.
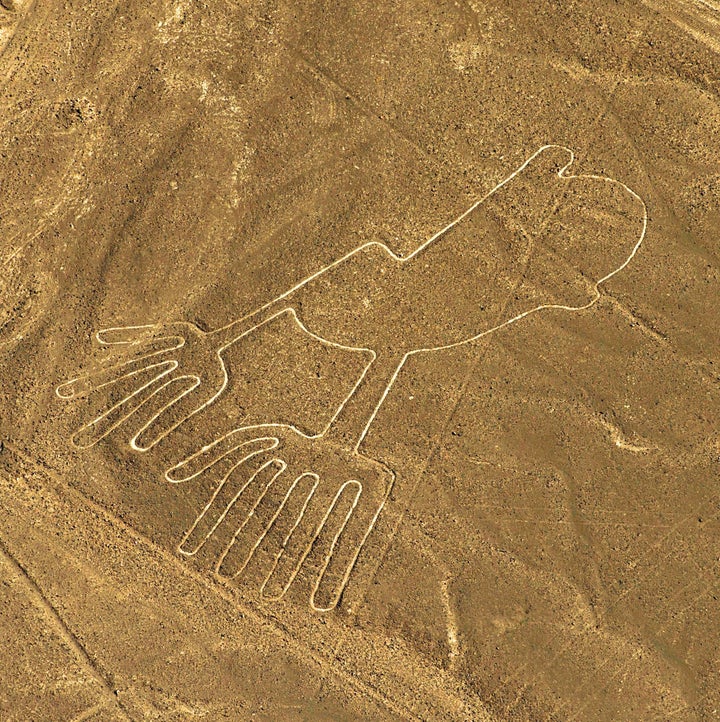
pixel 359 361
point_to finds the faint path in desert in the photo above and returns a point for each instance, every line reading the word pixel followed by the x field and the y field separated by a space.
pixel 159 569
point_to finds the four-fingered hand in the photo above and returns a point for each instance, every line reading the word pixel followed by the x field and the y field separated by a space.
pixel 293 506
pixel 165 374
pixel 283 506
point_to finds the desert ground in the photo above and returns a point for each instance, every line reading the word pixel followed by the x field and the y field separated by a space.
pixel 359 361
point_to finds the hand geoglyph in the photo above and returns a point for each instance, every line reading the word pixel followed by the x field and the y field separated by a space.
pixel 176 370
pixel 288 506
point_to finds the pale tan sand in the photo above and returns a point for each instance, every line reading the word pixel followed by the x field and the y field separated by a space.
pixel 537 532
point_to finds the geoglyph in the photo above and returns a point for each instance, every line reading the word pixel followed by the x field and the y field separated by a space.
pixel 302 505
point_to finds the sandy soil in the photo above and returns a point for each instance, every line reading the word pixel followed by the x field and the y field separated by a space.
pixel 469 480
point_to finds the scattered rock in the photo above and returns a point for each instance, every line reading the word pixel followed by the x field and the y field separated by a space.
pixel 74 111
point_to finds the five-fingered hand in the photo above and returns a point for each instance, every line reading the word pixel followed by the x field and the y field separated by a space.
pixel 164 375
pixel 283 506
